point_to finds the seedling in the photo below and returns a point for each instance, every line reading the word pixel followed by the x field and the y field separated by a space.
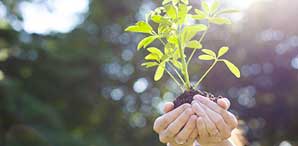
pixel 176 36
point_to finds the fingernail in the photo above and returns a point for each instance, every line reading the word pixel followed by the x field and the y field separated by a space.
pixel 193 117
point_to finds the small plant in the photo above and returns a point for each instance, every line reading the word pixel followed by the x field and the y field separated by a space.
pixel 176 36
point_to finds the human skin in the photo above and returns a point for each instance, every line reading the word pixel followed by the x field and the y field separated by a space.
pixel 203 120
pixel 214 123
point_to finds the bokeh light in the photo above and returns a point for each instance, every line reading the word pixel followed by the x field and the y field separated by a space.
pixel 67 70
pixel 294 63
pixel 1 75
pixel 285 143
pixel 52 15
pixel 140 85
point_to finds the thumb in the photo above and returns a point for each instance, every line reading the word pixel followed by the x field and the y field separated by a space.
pixel 224 103
pixel 168 107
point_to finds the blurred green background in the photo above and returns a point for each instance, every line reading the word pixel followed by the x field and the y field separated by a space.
pixel 70 76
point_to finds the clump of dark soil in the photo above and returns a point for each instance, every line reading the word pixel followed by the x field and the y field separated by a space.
pixel 187 97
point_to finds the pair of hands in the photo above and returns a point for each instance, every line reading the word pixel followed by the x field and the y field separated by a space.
pixel 203 120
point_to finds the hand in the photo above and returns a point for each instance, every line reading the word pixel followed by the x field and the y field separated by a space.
pixel 214 123
pixel 177 127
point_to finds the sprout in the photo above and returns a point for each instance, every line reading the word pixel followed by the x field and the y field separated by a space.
pixel 176 36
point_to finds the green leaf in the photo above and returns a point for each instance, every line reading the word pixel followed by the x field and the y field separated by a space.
pixel 156 51
pixel 199 15
pixel 206 57
pixel 227 11
pixel 222 51
pixel 209 52
pixel 160 19
pixel 156 18
pixel 232 68
pixel 177 54
pixel 165 2
pixel 141 27
pixel 173 39
pixel 190 31
pixel 169 48
pixel 185 2
pixel 182 12
pixel 194 44
pixel 171 11
pixel 205 6
pixel 177 64
pixel 159 71
pixel 165 58
pixel 152 57
pixel 214 7
pixel 146 41
pixel 220 21
pixel 163 29
pixel 149 64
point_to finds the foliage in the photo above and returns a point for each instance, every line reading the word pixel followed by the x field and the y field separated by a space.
pixel 62 97
pixel 176 35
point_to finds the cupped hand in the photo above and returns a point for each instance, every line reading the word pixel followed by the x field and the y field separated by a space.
pixel 214 122
pixel 177 127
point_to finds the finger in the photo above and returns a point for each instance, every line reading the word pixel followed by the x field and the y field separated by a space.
pixel 168 107
pixel 228 118
pixel 202 130
pixel 224 103
pixel 163 138
pixel 163 121
pixel 228 102
pixel 192 137
pixel 214 140
pixel 177 125
pixel 211 128
pixel 234 121
pixel 203 133
pixel 184 134
pixel 224 130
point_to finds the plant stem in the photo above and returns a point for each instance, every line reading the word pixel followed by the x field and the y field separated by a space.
pixel 171 75
pixel 205 74
pixel 178 74
pixel 162 41
pixel 184 65
pixel 201 39
pixel 159 38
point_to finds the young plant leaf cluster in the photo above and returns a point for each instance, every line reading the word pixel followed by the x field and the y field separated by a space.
pixel 176 36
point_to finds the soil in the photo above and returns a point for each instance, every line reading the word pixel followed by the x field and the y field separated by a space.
pixel 187 97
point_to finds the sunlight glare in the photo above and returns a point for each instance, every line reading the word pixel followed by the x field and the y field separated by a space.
pixel 52 16
pixel 241 5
